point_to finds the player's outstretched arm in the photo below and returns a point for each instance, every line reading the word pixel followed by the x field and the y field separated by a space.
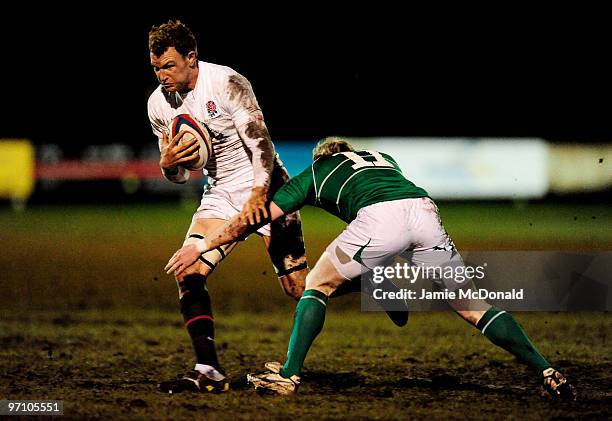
pixel 234 229
pixel 249 122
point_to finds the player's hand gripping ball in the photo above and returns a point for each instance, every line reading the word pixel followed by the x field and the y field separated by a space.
pixel 193 128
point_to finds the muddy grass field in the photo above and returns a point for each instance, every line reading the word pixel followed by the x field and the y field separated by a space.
pixel 88 316
pixel 106 365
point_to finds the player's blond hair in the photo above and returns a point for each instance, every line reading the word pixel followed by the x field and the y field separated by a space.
pixel 331 145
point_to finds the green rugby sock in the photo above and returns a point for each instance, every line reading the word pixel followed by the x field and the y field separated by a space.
pixel 505 332
pixel 307 323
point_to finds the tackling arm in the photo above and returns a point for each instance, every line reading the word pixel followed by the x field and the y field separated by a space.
pixel 234 229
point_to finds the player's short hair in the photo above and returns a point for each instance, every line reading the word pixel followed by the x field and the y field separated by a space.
pixel 331 145
pixel 173 33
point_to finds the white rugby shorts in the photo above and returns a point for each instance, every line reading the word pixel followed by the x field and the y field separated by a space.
pixel 410 228
pixel 224 202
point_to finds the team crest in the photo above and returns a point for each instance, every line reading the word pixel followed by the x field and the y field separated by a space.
pixel 211 107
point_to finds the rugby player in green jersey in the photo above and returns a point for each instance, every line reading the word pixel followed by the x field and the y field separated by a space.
pixel 387 216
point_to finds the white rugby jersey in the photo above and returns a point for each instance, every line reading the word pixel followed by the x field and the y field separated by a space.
pixel 217 101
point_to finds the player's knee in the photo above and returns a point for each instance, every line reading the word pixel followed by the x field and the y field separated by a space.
pixel 471 316
pixel 194 270
pixel 294 292
pixel 208 261
pixel 293 284
pixel 205 264
pixel 324 276
pixel 191 286
pixel 321 283
pixel 311 281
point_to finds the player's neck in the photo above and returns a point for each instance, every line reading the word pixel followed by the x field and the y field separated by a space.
pixel 193 80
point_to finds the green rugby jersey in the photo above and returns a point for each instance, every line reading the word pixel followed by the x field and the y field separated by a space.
pixel 346 182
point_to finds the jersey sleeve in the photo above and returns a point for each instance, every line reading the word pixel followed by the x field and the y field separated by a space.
pixel 299 191
pixel 392 161
pixel 157 125
pixel 240 101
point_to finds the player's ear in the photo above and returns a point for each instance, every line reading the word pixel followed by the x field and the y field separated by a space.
pixel 192 58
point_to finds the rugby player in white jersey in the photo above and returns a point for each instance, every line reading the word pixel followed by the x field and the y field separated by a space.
pixel 387 216
pixel 243 172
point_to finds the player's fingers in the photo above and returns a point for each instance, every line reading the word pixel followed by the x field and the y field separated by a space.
pixel 180 270
pixel 169 267
pixel 250 217
pixel 172 262
pixel 188 158
pixel 188 151
pixel 257 215
pixel 164 137
pixel 177 138
pixel 264 212
pixel 187 144
pixel 170 270
pixel 169 263
pixel 174 140
pixel 179 267
pixel 175 269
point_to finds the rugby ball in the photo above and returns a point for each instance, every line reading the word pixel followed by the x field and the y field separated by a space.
pixel 194 128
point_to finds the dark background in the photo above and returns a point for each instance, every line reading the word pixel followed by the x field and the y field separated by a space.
pixel 81 76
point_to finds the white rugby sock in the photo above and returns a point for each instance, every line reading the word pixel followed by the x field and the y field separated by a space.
pixel 209 371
